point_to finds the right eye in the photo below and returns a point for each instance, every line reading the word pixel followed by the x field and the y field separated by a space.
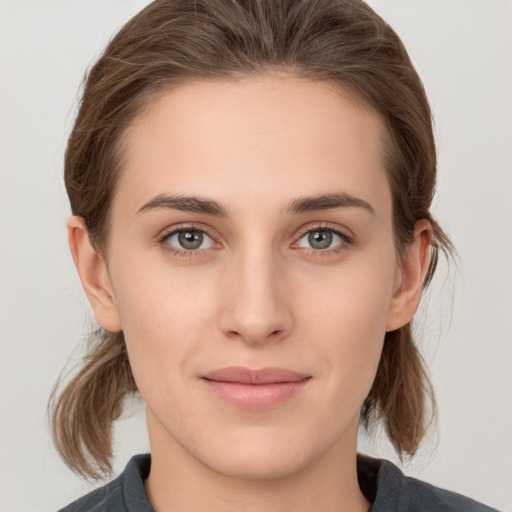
pixel 188 240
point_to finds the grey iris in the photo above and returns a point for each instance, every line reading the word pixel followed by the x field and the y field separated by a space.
pixel 320 239
pixel 190 239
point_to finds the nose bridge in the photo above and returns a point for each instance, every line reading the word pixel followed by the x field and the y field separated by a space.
pixel 255 306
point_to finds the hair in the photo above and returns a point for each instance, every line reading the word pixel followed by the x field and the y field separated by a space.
pixel 172 42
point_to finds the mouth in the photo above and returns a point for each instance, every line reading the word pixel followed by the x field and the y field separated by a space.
pixel 255 389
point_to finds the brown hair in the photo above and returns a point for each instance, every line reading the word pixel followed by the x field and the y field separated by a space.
pixel 170 42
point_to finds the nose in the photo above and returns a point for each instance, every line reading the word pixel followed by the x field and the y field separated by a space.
pixel 256 306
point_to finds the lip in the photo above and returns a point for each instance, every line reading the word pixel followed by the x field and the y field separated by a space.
pixel 255 389
pixel 245 375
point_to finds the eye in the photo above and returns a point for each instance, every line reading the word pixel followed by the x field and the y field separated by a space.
pixel 321 239
pixel 189 240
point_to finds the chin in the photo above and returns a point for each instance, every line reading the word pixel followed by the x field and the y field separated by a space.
pixel 258 468
pixel 259 459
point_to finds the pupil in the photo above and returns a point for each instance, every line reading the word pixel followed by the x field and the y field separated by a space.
pixel 320 239
pixel 191 239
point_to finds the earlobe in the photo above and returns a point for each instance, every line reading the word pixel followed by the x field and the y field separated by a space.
pixel 93 274
pixel 407 295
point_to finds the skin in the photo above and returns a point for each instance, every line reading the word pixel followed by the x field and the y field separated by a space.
pixel 257 293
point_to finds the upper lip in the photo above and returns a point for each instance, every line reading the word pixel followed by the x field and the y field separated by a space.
pixel 244 375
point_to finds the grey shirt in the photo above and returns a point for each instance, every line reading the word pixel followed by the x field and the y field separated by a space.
pixel 383 484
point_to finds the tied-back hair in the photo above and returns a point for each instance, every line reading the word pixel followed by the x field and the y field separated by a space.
pixel 172 42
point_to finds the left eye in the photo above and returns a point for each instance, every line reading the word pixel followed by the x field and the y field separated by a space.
pixel 189 240
pixel 321 239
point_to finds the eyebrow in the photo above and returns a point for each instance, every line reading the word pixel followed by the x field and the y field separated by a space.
pixel 210 207
pixel 184 203
pixel 326 202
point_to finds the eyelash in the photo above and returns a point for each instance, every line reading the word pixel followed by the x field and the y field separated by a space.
pixel 345 241
pixel 177 252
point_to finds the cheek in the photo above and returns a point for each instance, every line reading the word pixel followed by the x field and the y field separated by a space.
pixel 164 312
pixel 354 297
pixel 348 320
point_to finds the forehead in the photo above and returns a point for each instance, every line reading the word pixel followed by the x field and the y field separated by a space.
pixel 264 135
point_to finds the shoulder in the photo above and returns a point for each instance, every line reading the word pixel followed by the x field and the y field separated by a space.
pixel 419 494
pixel 107 497
pixel 392 490
pixel 123 494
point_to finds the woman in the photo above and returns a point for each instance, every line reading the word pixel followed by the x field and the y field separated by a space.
pixel 250 185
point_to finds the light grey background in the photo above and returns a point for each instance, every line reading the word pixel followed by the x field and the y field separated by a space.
pixel 463 51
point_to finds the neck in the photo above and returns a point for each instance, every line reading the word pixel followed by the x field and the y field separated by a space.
pixel 180 481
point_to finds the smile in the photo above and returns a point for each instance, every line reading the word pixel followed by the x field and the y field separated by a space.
pixel 255 389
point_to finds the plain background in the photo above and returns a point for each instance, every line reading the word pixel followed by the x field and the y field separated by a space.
pixel 462 50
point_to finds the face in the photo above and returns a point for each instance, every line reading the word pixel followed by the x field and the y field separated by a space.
pixel 252 228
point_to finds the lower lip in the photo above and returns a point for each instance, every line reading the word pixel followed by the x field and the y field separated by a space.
pixel 256 396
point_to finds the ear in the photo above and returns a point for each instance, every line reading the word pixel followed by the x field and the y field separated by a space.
pixel 93 273
pixel 409 277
